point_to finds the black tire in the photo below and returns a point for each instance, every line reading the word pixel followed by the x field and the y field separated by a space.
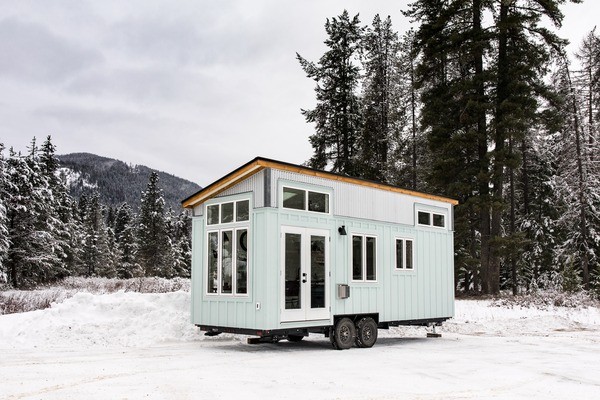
pixel 295 338
pixel 366 332
pixel 344 334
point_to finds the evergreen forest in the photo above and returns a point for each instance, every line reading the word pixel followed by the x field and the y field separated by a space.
pixel 479 102
pixel 46 234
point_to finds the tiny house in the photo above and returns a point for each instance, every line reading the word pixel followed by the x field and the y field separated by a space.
pixel 280 250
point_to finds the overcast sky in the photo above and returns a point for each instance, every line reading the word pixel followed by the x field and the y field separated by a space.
pixel 193 88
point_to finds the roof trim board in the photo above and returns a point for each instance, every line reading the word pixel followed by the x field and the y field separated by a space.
pixel 260 163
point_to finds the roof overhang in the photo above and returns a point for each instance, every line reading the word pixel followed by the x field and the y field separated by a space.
pixel 260 163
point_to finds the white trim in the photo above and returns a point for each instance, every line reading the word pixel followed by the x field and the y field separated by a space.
pixel 364 257
pixel 220 204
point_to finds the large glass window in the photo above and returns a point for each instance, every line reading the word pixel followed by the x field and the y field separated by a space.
pixel 404 254
pixel 364 258
pixel 300 199
pixel 227 247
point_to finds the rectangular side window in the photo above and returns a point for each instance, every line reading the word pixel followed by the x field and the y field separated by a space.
pixel 226 259
pixel 409 254
pixel 399 254
pixel 424 218
pixel 357 258
pixel 212 214
pixel 213 262
pixel 294 198
pixel 438 220
pixel 371 259
pixel 226 213
pixel 242 210
pixel 241 261
pixel 318 202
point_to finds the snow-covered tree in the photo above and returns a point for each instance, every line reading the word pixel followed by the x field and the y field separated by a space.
pixel 127 265
pixel 4 236
pixel 154 250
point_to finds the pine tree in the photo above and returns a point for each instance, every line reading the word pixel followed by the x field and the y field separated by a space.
pixel 154 252
pixel 337 113
pixel 127 266
pixel 4 235
pixel 384 114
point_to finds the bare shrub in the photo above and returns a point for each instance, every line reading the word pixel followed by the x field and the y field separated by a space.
pixel 15 301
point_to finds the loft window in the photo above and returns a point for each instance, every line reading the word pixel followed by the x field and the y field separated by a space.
pixel 428 218
pixel 306 200
pixel 364 258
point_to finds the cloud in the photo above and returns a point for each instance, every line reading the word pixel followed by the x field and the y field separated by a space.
pixel 31 51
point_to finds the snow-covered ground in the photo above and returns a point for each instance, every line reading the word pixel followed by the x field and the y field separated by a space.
pixel 129 345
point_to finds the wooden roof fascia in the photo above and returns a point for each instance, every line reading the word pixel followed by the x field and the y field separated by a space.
pixel 223 184
pixel 259 164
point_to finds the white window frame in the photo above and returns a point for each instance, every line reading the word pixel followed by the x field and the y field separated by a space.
pixel 306 191
pixel 404 239
pixel 431 214
pixel 364 257
pixel 235 206
pixel 233 226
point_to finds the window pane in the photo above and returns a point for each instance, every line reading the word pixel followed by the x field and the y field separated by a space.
pixel 438 220
pixel 294 198
pixel 242 210
pixel 357 274
pixel 399 253
pixel 424 218
pixel 212 214
pixel 371 254
pixel 409 254
pixel 318 202
pixel 293 253
pixel 241 261
pixel 226 258
pixel 226 213
pixel 317 272
pixel 213 258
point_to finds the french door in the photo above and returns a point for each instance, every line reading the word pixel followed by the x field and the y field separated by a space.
pixel 304 274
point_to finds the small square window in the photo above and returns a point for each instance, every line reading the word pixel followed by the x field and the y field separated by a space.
pixel 424 218
pixel 438 220
pixel 226 213
pixel 212 214
pixel 294 198
pixel 242 210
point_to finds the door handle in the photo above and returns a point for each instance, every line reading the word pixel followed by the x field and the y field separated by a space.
pixel 304 277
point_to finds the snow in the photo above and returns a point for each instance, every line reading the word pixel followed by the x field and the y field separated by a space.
pixel 133 345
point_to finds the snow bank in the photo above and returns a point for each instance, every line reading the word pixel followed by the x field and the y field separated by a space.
pixel 119 319
pixel 129 319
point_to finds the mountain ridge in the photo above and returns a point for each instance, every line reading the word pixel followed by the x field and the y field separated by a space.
pixel 118 182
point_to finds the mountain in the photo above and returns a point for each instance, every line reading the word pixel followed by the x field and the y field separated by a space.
pixel 118 182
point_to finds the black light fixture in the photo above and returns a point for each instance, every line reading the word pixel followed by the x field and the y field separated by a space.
pixel 342 230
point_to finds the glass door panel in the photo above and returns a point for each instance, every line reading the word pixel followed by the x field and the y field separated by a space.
pixel 317 272
pixel 293 270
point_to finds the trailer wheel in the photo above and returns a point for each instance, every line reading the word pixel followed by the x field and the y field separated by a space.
pixel 344 334
pixel 295 338
pixel 366 332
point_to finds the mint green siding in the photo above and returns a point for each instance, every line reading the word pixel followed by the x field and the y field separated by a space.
pixel 397 295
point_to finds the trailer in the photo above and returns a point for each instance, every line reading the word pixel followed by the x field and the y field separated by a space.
pixel 281 250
